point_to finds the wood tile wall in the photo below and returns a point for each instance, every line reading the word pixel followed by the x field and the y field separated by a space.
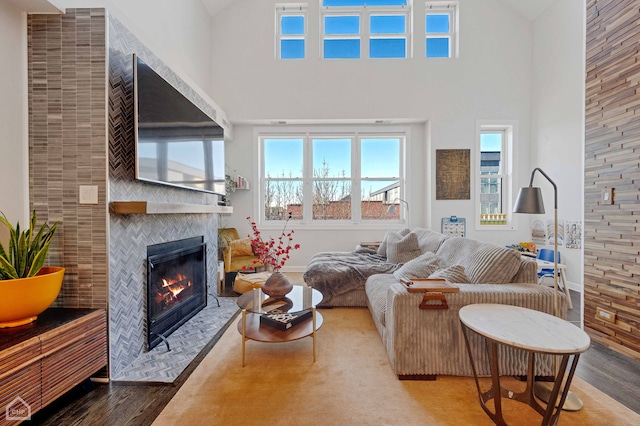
pixel 612 167
pixel 67 146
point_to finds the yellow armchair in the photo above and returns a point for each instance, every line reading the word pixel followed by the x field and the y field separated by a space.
pixel 237 252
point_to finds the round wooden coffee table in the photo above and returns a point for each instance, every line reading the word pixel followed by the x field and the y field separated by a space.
pixel 255 303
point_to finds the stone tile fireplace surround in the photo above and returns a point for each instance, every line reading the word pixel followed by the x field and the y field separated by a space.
pixel 81 133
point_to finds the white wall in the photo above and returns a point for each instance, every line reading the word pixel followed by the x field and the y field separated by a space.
pixel 13 121
pixel 490 80
pixel 558 116
pixel 178 32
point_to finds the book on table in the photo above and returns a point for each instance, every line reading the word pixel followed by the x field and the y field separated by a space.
pixel 284 320
pixel 424 285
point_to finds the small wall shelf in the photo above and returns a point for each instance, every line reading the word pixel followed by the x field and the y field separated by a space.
pixel 242 183
pixel 146 207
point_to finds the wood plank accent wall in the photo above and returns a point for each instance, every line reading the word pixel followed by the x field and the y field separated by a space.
pixel 612 238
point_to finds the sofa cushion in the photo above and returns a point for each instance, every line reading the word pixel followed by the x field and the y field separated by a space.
pixel 483 262
pixel 376 289
pixel 429 240
pixel 453 274
pixel 382 250
pixel 404 249
pixel 420 267
pixel 493 265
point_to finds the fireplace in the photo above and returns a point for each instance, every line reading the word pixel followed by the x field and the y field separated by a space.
pixel 176 286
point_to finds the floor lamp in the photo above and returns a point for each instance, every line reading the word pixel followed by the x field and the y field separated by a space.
pixel 529 201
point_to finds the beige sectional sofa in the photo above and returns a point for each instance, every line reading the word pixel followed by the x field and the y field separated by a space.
pixel 422 343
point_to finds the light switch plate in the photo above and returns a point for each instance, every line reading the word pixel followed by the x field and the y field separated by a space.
pixel 607 196
pixel 88 194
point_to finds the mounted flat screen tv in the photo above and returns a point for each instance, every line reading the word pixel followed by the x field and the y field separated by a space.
pixel 177 144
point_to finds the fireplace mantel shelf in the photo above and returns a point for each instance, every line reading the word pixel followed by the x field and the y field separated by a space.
pixel 146 207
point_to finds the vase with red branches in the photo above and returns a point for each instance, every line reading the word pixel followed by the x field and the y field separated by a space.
pixel 274 253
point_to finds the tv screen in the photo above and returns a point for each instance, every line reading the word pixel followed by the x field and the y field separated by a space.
pixel 176 142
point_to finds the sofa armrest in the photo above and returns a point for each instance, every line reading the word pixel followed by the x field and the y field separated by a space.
pixel 429 341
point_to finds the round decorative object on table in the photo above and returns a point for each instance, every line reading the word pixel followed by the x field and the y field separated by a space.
pixel 277 285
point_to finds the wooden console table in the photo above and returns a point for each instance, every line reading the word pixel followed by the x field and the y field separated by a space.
pixel 41 361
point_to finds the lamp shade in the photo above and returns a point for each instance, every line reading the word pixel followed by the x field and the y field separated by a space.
pixel 391 209
pixel 529 200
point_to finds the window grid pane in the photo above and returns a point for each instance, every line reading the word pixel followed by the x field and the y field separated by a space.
pixel 292 25
pixel 342 49
pixel 437 23
pixel 292 49
pixel 394 24
pixel 342 25
pixel 438 47
pixel 387 48
pixel 282 197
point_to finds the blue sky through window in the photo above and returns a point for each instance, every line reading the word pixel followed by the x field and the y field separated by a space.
pixel 342 25
pixel 346 49
pixel 292 49
pixel 491 142
pixel 380 158
pixel 293 25
pixel 336 153
pixel 387 48
pixel 437 23
pixel 283 157
pixel 387 24
pixel 437 48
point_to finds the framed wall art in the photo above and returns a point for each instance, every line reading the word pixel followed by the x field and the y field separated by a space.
pixel 453 169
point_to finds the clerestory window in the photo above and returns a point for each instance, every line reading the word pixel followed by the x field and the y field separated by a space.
pixel 353 29
pixel 441 27
pixel 291 31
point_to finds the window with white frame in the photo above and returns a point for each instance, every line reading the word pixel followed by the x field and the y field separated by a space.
pixel 291 30
pixel 353 29
pixel 441 28
pixel 495 151
pixel 339 177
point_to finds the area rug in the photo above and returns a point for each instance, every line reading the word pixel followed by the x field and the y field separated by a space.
pixel 351 383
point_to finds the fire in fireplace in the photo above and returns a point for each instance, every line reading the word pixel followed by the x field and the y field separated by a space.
pixel 176 286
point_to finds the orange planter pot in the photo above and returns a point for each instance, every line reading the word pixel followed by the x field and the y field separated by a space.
pixel 23 299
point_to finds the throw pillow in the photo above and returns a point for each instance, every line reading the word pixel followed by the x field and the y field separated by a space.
pixel 382 250
pixel 420 267
pixel 453 274
pixel 493 265
pixel 403 250
pixel 241 247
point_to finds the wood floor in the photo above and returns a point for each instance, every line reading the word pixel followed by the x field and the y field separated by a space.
pixel 110 404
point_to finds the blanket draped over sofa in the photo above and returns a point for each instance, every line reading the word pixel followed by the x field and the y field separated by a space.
pixel 336 273
pixel 429 342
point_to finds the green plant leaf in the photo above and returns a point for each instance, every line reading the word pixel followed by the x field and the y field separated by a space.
pixel 27 249
pixel 8 269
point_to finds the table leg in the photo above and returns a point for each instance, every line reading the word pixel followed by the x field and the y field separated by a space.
pixel 494 391
pixel 244 333
pixel 313 311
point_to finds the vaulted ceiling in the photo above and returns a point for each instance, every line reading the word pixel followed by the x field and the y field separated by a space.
pixel 529 9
